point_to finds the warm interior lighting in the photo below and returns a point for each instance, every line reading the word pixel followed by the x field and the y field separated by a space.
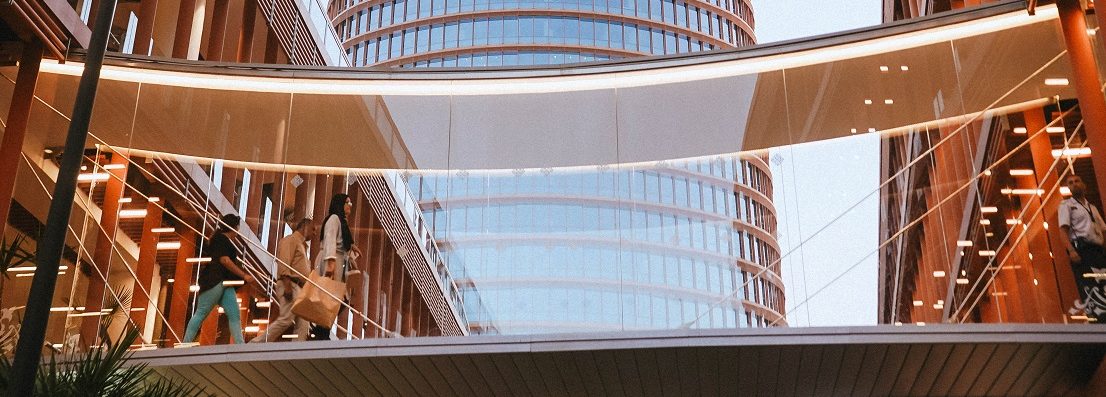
pixel 1013 222
pixel 163 230
pixel 1072 152
pixel 904 68
pixel 22 269
pixel 133 213
pixel 88 314
pixel 261 321
pixel 114 166
pixel 125 200
pixel 853 131
pixel 253 329
pixel 1079 317
pixel 1020 130
pixel 138 309
pixel 987 172
pixel 964 243
pixel 232 283
pixel 921 323
pixel 962 281
pixel 1056 81
pixel 1023 192
pixel 62 309
pixel 1055 130
pixel 938 273
pixel 168 245
pixel 988 210
pixel 888 101
pixel 198 260
pixel 153 199
pixel 289 336
pixel 1035 282
pixel 48 151
pixel 938 306
pixel 986 253
pixel 918 303
pixel 871 130
pixel 93 177
pixel 984 222
pixel 867 101
pixel 170 281
pixel 1064 191
pixel 264 304
pixel 884 68
pixel 1021 172
pixel 193 288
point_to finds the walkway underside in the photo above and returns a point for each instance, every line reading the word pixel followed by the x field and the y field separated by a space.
pixel 853 361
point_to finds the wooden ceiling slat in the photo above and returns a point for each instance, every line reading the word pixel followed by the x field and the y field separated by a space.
pixel 373 376
pixel 930 369
pixel 412 374
pixel 916 357
pixel 1022 360
pixel 1047 378
pixel 279 380
pixel 687 371
pixel 346 385
pixel 531 374
pixel 831 364
pixel 629 371
pixel 869 370
pixel 216 384
pixel 439 381
pixel 707 367
pixel 511 375
pixel 394 377
pixel 611 374
pixel 348 369
pixel 979 358
pixel 958 358
pixel 235 374
pixel 666 363
pixel 483 364
pixel 809 364
pixel 748 363
pixel 649 371
pixel 589 373
pixel 892 367
pixel 851 363
pixel 450 375
pixel 570 375
pixel 550 374
pixel 998 363
pixel 768 369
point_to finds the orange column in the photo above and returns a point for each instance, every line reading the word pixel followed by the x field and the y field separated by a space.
pixel 105 241
pixel 147 259
pixel 1084 70
pixel 18 113
pixel 1055 282
pixel 182 280
pixel 218 31
pixel 144 33
pixel 183 35
pixel 245 39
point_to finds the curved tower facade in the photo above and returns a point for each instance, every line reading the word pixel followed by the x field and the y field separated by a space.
pixel 445 33
pixel 685 243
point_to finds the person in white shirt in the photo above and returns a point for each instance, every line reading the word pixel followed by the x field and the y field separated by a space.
pixel 292 270
pixel 1083 229
pixel 337 251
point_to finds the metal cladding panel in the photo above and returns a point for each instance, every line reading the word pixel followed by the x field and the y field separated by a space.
pixel 1008 360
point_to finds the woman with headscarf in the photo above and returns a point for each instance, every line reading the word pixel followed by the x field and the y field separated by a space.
pixel 223 266
pixel 336 247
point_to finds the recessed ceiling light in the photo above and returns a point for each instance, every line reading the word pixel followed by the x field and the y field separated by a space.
pixel 904 68
pixel 1020 130
pixel 1021 172
pixel 988 210
pixel 938 273
pixel 1056 81
pixel 867 101
pixel 964 243
pixel 853 130
pixel 874 130
pixel 888 101
pixel 987 253
pixel 984 222
pixel 884 68
pixel 1055 130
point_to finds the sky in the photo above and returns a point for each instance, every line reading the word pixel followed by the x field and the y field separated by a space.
pixel 778 20
pixel 827 214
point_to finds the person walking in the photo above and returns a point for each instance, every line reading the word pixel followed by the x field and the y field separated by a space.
pixel 292 269
pixel 1084 228
pixel 223 266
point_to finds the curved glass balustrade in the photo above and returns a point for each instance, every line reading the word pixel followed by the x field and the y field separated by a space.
pixel 887 177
